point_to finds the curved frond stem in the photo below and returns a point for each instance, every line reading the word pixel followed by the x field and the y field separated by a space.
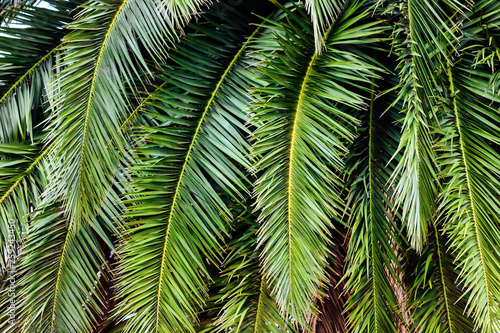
pixel 416 190
pixel 372 208
pixel 186 162
pixel 28 73
pixel 259 306
pixel 372 261
pixel 140 106
pixel 91 92
pixel 58 279
pixel 28 169
pixel 292 150
pixel 469 193
pixel 304 122
pixel 46 150
pixel 441 273
pixel 101 69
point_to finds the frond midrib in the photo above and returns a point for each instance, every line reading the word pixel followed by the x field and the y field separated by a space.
pixel 259 306
pixel 84 135
pixel 58 280
pixel 415 80
pixel 470 192
pixel 25 172
pixel 298 109
pixel 46 150
pixel 443 284
pixel 29 72
pixel 91 91
pixel 141 105
pixel 186 162
pixel 372 208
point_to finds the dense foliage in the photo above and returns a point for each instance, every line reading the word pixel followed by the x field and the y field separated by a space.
pixel 250 166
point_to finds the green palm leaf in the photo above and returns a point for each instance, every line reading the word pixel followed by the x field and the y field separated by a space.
pixel 102 57
pixel 438 304
pixel 469 208
pixel 61 273
pixel 374 234
pixel 423 23
pixel 198 147
pixel 59 278
pixel 323 13
pixel 22 182
pixel 29 50
pixel 22 166
pixel 247 303
pixel 303 125
pixel 34 36
pixel 167 177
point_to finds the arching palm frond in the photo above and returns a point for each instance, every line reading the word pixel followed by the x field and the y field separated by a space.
pixel 303 123
pixel 102 58
pixel 61 274
pixel 22 182
pixel 469 208
pixel 245 299
pixel 469 149
pixel 97 59
pixel 59 278
pixel 25 69
pixel 439 305
pixel 250 173
pixel 30 39
pixel 21 179
pixel 423 23
pixel 247 303
pixel 199 147
pixel 372 262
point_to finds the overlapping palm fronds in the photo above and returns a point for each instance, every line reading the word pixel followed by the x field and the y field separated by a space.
pixel 304 121
pixel 469 208
pixel 375 230
pixel 198 147
pixel 424 39
pixel 326 166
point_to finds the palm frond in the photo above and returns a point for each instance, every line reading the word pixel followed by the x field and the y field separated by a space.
pixel 374 231
pixel 61 273
pixel 22 166
pixel 22 182
pixel 199 147
pixel 423 23
pixel 247 305
pixel 303 124
pixel 34 36
pixel 438 304
pixel 29 51
pixel 481 38
pixel 58 287
pixel 469 209
pixel 102 58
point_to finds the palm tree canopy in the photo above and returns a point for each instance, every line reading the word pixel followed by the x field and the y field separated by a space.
pixel 265 166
